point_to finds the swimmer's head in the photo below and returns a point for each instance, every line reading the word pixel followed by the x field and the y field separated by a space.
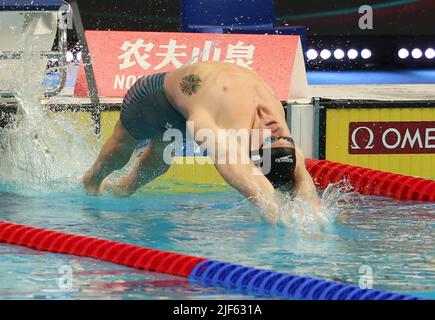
pixel 277 159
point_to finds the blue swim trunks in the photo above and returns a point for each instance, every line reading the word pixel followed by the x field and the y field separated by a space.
pixel 146 111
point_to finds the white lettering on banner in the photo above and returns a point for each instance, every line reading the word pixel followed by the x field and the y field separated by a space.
pixel 141 53
pixel 412 141
pixel 428 138
pixel 240 54
pixel 369 145
pixel 384 138
pixel 170 56
pixel 391 137
pixel 216 54
pixel 132 50
pixel 124 82
pixel 196 52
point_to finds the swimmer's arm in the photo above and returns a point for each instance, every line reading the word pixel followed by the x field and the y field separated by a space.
pixel 305 187
pixel 255 187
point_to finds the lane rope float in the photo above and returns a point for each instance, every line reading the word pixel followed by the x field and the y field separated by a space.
pixel 371 182
pixel 212 273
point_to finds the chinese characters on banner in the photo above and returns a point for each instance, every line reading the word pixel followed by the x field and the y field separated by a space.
pixel 119 58
pixel 139 52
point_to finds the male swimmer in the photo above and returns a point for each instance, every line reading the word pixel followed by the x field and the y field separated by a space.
pixel 212 96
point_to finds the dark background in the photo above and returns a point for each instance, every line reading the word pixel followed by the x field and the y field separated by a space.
pixel 322 17
pixel 341 17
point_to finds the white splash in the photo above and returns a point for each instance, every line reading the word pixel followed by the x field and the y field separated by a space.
pixel 40 150
pixel 302 216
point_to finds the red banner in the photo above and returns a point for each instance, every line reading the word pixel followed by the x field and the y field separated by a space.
pixel 391 137
pixel 119 58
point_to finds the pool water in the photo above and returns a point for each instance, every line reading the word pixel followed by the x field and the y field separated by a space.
pixel 43 157
pixel 392 240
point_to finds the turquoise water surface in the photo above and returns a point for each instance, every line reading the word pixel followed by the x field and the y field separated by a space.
pixel 393 240
pixel 44 156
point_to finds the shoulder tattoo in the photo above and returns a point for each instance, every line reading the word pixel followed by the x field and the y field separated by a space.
pixel 190 84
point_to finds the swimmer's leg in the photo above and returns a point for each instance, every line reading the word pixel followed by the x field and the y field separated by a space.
pixel 114 155
pixel 151 165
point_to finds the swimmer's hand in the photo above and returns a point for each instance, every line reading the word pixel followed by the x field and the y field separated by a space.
pixel 270 212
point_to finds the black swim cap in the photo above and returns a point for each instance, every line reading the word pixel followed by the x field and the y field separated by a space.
pixel 279 167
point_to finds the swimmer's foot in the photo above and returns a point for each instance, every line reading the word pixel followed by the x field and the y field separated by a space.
pixel 121 187
pixel 92 188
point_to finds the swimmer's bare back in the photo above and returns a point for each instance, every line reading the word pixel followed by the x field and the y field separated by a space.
pixel 229 94
pixel 214 96
pixel 217 96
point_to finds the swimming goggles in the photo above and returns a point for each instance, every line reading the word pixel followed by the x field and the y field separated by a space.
pixel 273 139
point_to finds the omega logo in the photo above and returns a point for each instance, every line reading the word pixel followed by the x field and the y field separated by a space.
pixel 391 137
pixel 369 144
